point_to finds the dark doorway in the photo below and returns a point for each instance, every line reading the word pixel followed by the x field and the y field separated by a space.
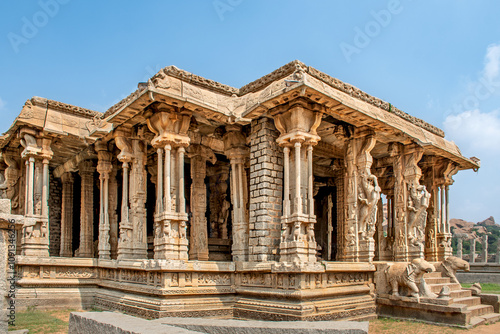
pixel 325 203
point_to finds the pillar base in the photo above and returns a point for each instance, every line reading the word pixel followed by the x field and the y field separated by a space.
pixel 170 241
pixel 35 240
pixel 444 246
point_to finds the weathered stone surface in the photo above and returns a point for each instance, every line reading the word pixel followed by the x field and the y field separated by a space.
pixel 117 323
pixel 215 326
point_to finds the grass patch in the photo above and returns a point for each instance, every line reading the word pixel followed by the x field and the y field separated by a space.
pixel 41 321
pixel 486 287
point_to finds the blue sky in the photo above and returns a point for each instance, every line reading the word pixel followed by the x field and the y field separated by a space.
pixel 437 60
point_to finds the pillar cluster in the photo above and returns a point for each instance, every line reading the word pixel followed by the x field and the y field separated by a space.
pixel 298 137
pixel 37 154
pixel 170 141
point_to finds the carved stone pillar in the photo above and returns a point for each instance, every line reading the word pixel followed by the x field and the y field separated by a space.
pixel 199 154
pixel 418 199
pixel 362 195
pixel 86 170
pixel 236 150
pixel 432 226
pixel 298 136
pixel 67 215
pixel 445 173
pixel 484 253
pixel 137 195
pixel 170 128
pixel 411 200
pixel 104 167
pixel 122 141
pixel 37 153
pixel 12 173
pixel 472 250
pixel 113 214
pixel 460 247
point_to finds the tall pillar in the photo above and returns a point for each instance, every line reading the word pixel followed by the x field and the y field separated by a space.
pixel 199 154
pixel 361 197
pixel 460 247
pixel 484 253
pixel 122 141
pixel 113 214
pixel 37 153
pixel 472 251
pixel 297 127
pixel 265 189
pixel 67 215
pixel 411 200
pixel 137 199
pixel 86 170
pixel 170 127
pixel 445 173
pixel 432 228
pixel 104 167
pixel 236 150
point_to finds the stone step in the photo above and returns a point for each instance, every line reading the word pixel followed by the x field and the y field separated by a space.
pixel 491 318
pixel 469 301
pixel 437 287
pixel 476 321
pixel 479 310
pixel 433 274
pixel 437 280
pixel 460 294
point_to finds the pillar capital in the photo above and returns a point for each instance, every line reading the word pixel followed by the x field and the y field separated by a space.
pixel 169 125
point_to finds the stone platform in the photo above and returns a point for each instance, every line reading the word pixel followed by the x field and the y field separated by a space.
pixel 116 323
pixel 154 289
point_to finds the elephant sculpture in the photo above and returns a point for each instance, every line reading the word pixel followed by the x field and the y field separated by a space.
pixel 450 266
pixel 410 276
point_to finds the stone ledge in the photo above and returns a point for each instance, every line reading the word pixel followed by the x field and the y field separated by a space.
pixel 217 326
pixel 117 323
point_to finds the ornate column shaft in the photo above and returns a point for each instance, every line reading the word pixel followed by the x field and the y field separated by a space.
pixel 236 150
pixel 445 173
pixel 122 141
pixel 104 167
pixel 198 249
pixel 86 170
pixel 137 198
pixel 67 215
pixel 113 214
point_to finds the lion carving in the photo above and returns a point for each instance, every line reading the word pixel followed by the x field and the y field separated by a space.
pixel 410 276
pixel 450 266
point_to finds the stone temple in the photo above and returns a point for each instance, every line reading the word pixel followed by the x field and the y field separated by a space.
pixel 295 197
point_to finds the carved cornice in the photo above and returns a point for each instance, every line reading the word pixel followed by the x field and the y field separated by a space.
pixel 64 107
pixel 160 80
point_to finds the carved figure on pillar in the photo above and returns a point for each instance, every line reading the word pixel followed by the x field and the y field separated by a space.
pixel 297 127
pixel 199 234
pixel 170 126
pixel 361 198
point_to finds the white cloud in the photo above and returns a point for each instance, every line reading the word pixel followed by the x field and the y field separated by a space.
pixel 492 62
pixel 474 130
